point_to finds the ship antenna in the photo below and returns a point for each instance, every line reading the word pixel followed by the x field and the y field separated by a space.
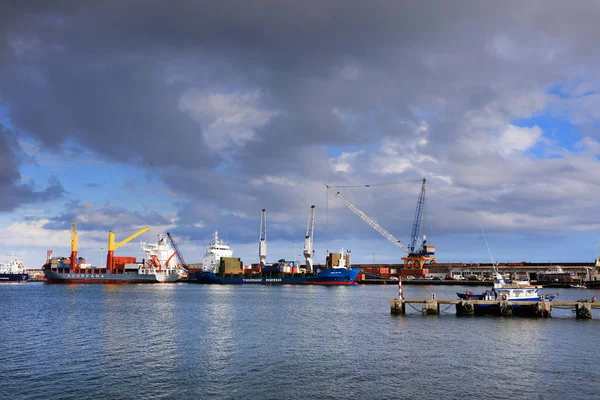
pixel 488 248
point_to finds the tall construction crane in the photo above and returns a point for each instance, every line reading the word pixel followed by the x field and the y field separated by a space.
pixel 308 240
pixel 180 255
pixel 419 252
pixel 262 244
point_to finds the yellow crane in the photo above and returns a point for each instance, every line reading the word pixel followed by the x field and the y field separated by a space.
pixel 112 246
pixel 74 266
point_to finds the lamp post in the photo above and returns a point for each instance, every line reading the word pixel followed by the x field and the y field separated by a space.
pixel 373 258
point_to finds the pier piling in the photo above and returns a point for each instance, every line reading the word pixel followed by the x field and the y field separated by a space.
pixel 432 307
pixel 465 307
pixel 543 309
pixel 397 307
pixel 505 309
pixel 583 310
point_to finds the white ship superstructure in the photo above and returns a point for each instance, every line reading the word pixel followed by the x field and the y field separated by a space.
pixel 214 252
pixel 161 260
pixel 12 266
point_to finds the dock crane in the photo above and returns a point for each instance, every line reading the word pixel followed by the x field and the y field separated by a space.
pixel 112 246
pixel 308 240
pixel 262 244
pixel 418 253
pixel 180 255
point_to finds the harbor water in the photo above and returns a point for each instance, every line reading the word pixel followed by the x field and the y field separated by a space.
pixel 185 341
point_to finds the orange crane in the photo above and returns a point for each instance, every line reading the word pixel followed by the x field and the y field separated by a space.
pixel 416 257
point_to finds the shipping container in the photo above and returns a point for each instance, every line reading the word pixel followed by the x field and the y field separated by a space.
pixel 230 265
pixel 271 269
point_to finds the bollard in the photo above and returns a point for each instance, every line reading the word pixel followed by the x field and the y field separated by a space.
pixel 431 307
pixel 465 307
pixel 583 311
pixel 397 307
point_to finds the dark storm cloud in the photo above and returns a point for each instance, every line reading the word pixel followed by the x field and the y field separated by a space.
pixel 107 218
pixel 330 75
pixel 14 192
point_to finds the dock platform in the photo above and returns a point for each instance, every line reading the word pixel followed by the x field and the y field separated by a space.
pixel 541 309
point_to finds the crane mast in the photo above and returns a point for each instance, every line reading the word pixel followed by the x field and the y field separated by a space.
pixel 416 242
pixel 74 265
pixel 262 244
pixel 308 240
pixel 370 221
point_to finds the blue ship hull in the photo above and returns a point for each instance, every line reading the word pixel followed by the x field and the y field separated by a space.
pixel 14 277
pixel 328 276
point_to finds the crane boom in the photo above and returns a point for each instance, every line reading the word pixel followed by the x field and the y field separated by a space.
pixel 391 238
pixel 415 239
pixel 127 240
pixel 180 255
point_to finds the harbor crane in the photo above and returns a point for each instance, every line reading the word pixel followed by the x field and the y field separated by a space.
pixel 180 255
pixel 74 265
pixel 262 244
pixel 418 252
pixel 308 240
pixel 112 246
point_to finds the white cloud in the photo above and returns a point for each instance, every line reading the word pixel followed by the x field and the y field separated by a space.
pixel 274 180
pixel 515 139
pixel 227 120
pixel 343 162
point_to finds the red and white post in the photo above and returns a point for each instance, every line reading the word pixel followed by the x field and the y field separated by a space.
pixel 400 294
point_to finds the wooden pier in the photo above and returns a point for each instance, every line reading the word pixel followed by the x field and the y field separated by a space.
pixel 542 309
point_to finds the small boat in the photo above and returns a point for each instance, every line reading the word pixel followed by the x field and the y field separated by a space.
pixel 513 292
pixel 13 270
pixel 556 275
pixel 517 291
pixel 577 286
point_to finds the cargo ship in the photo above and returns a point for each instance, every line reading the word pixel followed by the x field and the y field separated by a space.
pixel 159 264
pixel 219 267
pixel 13 270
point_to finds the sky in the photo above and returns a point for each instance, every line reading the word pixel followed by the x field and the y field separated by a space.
pixel 190 117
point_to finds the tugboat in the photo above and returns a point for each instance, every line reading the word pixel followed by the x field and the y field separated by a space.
pixel 13 270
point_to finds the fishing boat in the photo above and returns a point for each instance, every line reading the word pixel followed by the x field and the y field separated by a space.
pixel 511 292
pixel 13 270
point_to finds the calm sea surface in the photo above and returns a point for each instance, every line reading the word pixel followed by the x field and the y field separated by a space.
pixel 185 341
